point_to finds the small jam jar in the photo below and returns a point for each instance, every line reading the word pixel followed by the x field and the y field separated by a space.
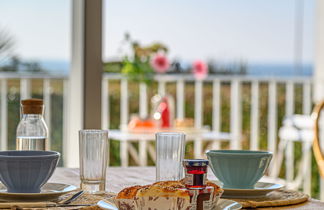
pixel 195 173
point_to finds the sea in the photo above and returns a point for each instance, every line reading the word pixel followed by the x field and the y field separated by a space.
pixel 254 69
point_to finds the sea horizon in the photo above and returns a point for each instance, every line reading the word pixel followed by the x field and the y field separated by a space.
pixel 253 69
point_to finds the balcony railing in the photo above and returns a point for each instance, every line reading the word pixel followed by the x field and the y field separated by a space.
pixel 226 98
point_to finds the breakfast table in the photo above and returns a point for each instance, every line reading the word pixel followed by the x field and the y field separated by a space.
pixel 121 177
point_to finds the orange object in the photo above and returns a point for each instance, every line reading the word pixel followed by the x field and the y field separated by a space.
pixel 137 123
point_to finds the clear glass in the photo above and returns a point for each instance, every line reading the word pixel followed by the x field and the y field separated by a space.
pixel 94 153
pixel 32 133
pixel 170 149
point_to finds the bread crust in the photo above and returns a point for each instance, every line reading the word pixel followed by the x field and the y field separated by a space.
pixel 129 192
pixel 217 189
pixel 162 189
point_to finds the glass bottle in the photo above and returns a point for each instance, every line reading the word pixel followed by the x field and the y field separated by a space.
pixel 163 110
pixel 32 132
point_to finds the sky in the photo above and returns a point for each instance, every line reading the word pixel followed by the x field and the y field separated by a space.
pixel 257 31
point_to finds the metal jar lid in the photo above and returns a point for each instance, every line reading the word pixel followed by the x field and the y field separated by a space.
pixel 195 162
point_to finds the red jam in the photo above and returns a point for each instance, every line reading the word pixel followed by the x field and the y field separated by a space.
pixel 196 173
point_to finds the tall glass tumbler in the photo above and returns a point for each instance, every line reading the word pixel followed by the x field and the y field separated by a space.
pixel 94 153
pixel 170 148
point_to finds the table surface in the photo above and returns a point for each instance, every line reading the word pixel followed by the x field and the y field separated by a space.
pixel 119 178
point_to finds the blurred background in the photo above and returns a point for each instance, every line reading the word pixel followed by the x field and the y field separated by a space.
pixel 270 42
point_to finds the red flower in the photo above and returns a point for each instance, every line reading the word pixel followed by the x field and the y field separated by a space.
pixel 160 63
pixel 200 69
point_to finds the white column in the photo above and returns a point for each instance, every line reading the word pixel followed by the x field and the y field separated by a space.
pixel 319 63
pixel 319 52
pixel 84 107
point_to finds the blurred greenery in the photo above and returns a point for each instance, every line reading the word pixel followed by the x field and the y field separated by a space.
pixel 114 97
pixel 137 66
pixel 56 130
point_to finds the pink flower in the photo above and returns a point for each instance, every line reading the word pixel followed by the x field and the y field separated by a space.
pixel 200 69
pixel 160 63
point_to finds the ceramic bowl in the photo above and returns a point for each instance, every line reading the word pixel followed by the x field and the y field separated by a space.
pixel 239 169
pixel 27 171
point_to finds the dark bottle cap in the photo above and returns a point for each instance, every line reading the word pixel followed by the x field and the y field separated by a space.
pixel 32 106
pixel 195 162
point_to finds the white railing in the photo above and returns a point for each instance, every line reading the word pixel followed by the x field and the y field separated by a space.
pixel 26 81
pixel 217 81
pixel 23 83
pixel 236 86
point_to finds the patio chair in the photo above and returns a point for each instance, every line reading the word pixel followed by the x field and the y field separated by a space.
pixel 296 128
pixel 317 147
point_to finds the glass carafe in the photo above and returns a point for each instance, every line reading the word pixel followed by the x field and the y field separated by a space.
pixel 32 132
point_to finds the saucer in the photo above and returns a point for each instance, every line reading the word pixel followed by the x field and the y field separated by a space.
pixel 261 189
pixel 50 191
pixel 223 204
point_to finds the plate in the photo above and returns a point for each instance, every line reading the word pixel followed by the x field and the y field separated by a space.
pixel 107 205
pixel 49 192
pixel 223 204
pixel 261 189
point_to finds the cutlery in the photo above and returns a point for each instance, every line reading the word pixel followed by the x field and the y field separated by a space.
pixel 45 204
pixel 37 205
pixel 73 198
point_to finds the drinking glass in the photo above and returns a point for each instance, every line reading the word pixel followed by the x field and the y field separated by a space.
pixel 169 155
pixel 94 153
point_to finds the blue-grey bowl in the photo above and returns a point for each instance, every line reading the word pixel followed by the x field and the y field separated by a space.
pixel 27 171
pixel 239 169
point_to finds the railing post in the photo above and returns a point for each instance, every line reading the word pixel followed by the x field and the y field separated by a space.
pixel 143 114
pixel 198 117
pixel 4 115
pixel 161 88
pixel 307 99
pixel 236 117
pixel 216 111
pixel 47 102
pixel 180 99
pixel 66 141
pixel 307 104
pixel 321 188
pixel 272 117
pixel 254 144
pixel 290 144
pixel 272 124
pixel 25 88
pixel 105 104
pixel 123 104
pixel 143 100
